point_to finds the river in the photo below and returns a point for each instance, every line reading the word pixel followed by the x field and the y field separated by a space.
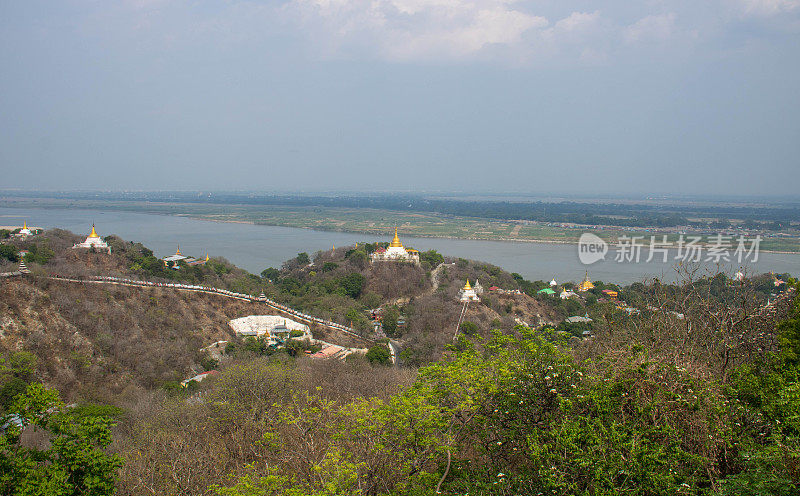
pixel 255 248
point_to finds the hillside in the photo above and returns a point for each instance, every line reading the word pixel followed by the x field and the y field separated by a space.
pixel 673 387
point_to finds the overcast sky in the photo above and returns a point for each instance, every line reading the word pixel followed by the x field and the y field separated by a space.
pixel 599 96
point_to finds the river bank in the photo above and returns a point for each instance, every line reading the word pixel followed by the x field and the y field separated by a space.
pixel 256 247
pixel 378 222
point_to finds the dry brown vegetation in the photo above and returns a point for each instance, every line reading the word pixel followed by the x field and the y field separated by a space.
pixel 174 447
pixel 99 341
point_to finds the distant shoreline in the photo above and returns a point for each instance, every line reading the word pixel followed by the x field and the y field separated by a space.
pixel 412 235
pixel 380 233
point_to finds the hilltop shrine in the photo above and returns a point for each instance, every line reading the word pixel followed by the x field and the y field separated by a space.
pixel 94 241
pixel 396 252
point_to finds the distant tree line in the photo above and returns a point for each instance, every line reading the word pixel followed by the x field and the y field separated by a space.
pixel 592 213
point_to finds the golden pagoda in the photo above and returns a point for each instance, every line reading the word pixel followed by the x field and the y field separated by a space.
pixel 468 293
pixel 586 285
pixel 94 241
pixel 396 240
pixel 395 252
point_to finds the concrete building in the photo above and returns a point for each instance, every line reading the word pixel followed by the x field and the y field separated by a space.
pixel 274 327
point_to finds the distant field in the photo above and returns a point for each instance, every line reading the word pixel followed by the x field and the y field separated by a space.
pixel 371 221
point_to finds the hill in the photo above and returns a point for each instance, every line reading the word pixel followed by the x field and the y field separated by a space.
pixel 687 388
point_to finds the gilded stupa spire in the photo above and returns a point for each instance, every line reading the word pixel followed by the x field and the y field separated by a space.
pixel 24 224
pixel 178 252
pixel 467 286
pixel 93 234
pixel 396 240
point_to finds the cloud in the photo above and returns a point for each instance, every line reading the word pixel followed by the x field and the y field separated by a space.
pixel 416 29
pixel 509 31
pixel 653 28
pixel 766 8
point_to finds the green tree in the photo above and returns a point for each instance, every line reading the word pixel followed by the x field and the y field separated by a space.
pixel 469 328
pixel 16 371
pixel 271 273
pixel 379 355
pixel 74 463
pixel 352 284
pixel 389 320
pixel 303 259
pixel 9 252
pixel 433 257
pixel 771 388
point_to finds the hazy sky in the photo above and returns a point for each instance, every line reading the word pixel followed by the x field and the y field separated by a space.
pixel 478 95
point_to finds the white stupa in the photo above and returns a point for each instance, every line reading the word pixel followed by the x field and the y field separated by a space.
pixel 94 241
pixel 467 293
pixel 25 231
pixel 553 282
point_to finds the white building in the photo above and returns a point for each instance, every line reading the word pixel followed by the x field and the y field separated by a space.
pixel 275 327
pixel 467 293
pixel 25 231
pixel 93 241
pixel 553 282
pixel 177 257
pixel 395 252
pixel 566 294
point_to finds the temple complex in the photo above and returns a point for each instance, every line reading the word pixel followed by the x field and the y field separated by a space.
pixel 177 257
pixel 467 293
pixel 94 241
pixel 396 252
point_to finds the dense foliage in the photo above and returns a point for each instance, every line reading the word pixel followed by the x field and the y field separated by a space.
pixel 69 458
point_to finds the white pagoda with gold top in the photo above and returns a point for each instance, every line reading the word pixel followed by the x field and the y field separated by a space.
pixel 94 241
pixel 25 231
pixel 396 252
pixel 468 293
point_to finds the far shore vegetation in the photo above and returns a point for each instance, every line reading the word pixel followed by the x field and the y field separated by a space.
pixel 561 222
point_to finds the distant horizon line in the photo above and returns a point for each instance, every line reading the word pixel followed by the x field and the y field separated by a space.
pixel 417 193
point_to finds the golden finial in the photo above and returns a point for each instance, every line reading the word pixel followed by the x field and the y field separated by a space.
pixel 334 246
pixel 206 256
pixel 93 233
pixel 179 250
pixel 467 286
pixel 24 224
pixel 396 241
